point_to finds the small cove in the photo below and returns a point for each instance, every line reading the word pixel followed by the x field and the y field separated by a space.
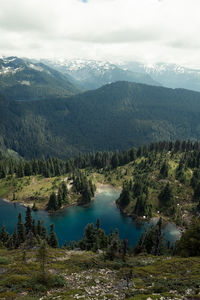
pixel 71 221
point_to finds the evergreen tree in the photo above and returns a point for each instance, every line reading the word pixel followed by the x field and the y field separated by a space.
pixel 152 241
pixel 34 208
pixel 44 235
pixel 64 191
pixel 28 220
pixel 198 208
pixel 52 204
pixel 197 192
pixel 89 237
pixel 28 169
pixel 20 230
pixel 34 228
pixel 53 241
pixel 14 238
pixel 166 196
pixel 164 170
pixel 39 228
pixel 98 224
pixel 59 198
pixel 20 170
pixel 189 244
pixel 42 256
pixel 4 236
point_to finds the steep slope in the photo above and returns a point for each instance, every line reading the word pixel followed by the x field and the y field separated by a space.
pixel 24 80
pixel 116 116
pixel 169 75
pixel 92 74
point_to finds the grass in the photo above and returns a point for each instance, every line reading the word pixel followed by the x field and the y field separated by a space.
pixel 153 277
pixel 31 189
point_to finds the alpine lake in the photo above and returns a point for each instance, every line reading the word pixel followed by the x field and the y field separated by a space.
pixel 71 221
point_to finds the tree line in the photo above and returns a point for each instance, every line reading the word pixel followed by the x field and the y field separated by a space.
pixel 50 167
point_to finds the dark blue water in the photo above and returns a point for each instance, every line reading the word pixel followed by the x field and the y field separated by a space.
pixel 70 223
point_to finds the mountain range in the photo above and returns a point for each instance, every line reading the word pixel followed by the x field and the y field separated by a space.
pixel 116 116
pixel 92 74
pixel 169 75
pixel 22 79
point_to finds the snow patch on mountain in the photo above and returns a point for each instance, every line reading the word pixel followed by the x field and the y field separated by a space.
pixel 80 64
pixel 7 70
pixel 36 67
pixel 25 82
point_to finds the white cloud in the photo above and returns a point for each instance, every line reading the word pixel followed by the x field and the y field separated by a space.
pixel 147 30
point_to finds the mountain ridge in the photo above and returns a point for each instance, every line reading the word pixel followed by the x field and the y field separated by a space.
pixel 92 74
pixel 169 75
pixel 115 116
pixel 22 79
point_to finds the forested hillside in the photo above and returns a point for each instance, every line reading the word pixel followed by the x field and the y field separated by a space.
pixel 24 80
pixel 116 116
pixel 160 180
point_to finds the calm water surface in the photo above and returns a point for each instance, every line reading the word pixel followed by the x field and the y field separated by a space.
pixel 70 223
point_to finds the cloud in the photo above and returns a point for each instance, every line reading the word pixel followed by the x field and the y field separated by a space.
pixel 151 30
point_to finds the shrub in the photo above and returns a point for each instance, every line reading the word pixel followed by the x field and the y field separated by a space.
pixel 4 261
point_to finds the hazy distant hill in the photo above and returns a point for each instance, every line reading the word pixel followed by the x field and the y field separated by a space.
pixel 92 74
pixel 116 116
pixel 24 80
pixel 169 75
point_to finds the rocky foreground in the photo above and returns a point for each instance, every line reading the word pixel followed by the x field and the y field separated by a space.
pixel 86 275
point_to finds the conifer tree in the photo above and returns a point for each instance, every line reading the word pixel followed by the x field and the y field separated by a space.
pixel 166 196
pixel 28 220
pixel 52 204
pixel 42 256
pixel 64 191
pixel 98 224
pixel 44 235
pixel 164 170
pixel 14 237
pixel 20 230
pixel 4 236
pixel 59 198
pixel 53 241
pixel 39 228
pixel 34 228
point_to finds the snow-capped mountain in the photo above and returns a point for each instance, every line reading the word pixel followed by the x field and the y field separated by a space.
pixel 92 74
pixel 22 79
pixel 169 75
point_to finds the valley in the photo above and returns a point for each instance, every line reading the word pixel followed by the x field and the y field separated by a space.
pixel 100 150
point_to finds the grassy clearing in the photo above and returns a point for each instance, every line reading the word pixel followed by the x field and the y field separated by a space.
pixel 32 189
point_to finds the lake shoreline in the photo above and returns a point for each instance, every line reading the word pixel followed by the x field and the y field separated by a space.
pixel 100 188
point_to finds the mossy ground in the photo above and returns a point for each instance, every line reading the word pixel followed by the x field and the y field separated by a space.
pixel 77 275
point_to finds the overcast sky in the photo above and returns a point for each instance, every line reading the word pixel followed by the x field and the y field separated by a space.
pixel 143 30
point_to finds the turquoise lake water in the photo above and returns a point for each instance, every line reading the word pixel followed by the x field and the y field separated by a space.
pixel 70 222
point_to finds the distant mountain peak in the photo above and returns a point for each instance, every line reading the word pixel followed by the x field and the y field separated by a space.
pixel 169 75
pixel 92 74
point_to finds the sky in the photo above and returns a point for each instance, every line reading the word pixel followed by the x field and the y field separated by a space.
pixel 149 31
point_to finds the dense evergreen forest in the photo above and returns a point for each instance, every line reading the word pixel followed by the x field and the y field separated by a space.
pixel 116 116
pixel 160 179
